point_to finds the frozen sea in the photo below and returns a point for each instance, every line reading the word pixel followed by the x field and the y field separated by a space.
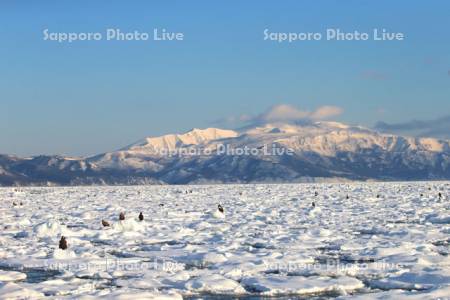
pixel 274 241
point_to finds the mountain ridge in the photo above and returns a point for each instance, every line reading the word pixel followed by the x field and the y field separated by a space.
pixel 319 151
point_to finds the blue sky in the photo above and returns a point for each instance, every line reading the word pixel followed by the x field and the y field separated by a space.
pixel 84 98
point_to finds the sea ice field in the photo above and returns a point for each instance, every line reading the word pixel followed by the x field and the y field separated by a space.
pixel 272 241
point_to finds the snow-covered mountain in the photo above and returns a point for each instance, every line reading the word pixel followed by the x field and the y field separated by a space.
pixel 276 152
pixel 173 141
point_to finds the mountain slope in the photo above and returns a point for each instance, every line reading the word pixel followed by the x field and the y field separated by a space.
pixel 282 153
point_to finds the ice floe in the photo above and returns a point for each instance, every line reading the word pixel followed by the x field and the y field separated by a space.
pixel 383 241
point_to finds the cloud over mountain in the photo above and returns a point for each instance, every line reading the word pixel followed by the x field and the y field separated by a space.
pixel 439 127
pixel 288 113
pixel 285 113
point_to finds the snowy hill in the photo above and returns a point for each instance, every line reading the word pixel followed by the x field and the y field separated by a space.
pixel 303 152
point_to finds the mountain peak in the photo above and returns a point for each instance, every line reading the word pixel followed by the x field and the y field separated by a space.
pixel 195 136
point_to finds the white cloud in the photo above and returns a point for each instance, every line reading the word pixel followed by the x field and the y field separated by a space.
pixel 283 112
pixel 287 113
pixel 326 112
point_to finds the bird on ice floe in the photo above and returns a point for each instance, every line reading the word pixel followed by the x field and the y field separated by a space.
pixel 122 216
pixel 440 195
pixel 313 210
pixel 316 193
pixel 63 243
pixel 141 216
pixel 105 223
pixel 219 213
pixel 347 197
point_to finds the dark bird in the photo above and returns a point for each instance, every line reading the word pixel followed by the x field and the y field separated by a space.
pixel 161 204
pixel 63 243
pixel 313 204
pixel 421 195
pixel 141 216
pixel 220 208
pixel 316 194
pixel 347 197
pixel 122 216
pixel 105 223
pixel 440 195
pixel 378 196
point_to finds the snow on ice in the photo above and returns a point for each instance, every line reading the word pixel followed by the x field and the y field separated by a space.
pixel 362 240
